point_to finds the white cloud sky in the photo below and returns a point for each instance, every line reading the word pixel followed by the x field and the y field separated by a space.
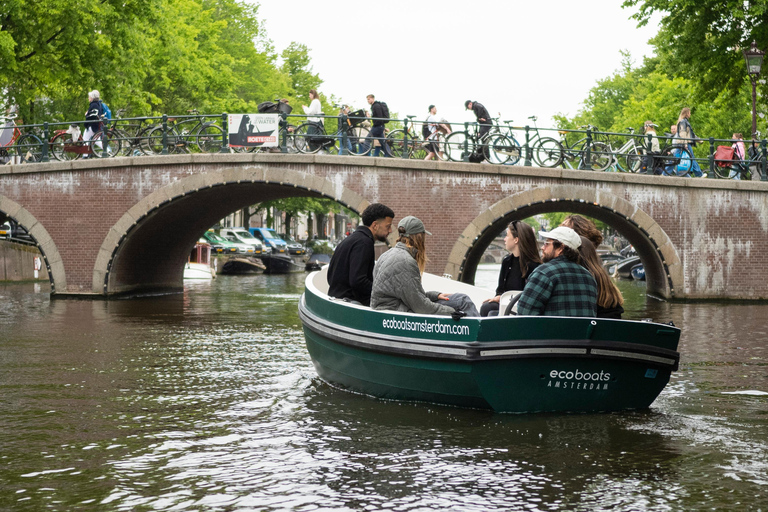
pixel 518 58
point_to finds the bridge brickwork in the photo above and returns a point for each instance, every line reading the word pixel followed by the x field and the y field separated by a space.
pixel 126 225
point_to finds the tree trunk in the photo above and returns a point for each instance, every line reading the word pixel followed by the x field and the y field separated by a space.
pixel 288 219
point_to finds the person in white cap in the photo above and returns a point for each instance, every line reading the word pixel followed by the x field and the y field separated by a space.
pixel 561 286
pixel 397 278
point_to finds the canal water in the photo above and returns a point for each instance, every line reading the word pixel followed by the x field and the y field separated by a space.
pixel 208 401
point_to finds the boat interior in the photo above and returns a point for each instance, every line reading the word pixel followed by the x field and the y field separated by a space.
pixel 430 282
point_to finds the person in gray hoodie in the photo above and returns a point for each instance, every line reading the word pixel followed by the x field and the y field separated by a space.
pixel 397 278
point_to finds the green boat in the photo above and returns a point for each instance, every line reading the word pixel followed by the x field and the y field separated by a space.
pixel 511 364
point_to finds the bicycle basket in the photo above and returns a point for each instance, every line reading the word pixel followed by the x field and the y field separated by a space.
pixel 724 156
pixel 357 117
pixel 284 108
pixel 268 107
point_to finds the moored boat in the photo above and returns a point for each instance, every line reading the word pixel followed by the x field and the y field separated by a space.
pixel 638 272
pixel 624 267
pixel 199 264
pixel 239 266
pixel 280 264
pixel 317 261
pixel 507 364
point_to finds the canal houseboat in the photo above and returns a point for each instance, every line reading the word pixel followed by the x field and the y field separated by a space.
pixel 515 364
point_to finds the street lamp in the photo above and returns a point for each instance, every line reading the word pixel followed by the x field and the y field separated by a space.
pixel 754 59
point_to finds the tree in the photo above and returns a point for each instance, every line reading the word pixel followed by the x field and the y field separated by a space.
pixel 702 40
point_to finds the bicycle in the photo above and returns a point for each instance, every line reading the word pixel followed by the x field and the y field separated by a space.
pixel 416 145
pixel 132 139
pixel 28 147
pixel 205 136
pixel 545 151
pixel 674 159
pixel 311 137
pixel 508 131
pixel 67 145
pixel 632 152
pixel 496 148
pixel 741 169
pixel 600 155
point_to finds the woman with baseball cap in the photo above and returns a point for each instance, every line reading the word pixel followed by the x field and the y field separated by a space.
pixel 397 278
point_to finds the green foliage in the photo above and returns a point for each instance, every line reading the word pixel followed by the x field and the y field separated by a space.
pixel 154 56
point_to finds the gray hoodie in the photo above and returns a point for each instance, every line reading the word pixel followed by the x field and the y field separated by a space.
pixel 397 285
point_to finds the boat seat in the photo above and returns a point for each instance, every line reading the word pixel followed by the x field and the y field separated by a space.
pixel 507 298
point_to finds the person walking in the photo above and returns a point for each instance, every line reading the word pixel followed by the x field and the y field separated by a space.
pixel 93 117
pixel 380 115
pixel 688 137
pixel 649 156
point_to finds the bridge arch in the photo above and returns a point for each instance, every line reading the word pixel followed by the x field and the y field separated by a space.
pixel 50 253
pixel 146 249
pixel 663 269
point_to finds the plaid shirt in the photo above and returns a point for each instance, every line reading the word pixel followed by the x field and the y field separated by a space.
pixel 559 288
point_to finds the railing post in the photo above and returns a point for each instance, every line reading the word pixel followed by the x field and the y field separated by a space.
pixel 764 161
pixel 406 152
pixel 45 142
pixel 225 135
pixel 465 154
pixel 283 130
pixel 711 157
pixel 344 136
pixel 587 155
pixel 527 146
pixel 165 135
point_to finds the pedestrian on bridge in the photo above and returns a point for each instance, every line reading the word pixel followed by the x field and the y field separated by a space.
pixel 685 132
pixel 483 118
pixel 380 115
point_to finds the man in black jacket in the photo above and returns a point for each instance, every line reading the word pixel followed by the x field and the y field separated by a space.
pixel 350 272
pixel 483 118
pixel 380 118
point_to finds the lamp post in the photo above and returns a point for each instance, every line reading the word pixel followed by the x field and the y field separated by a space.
pixel 754 59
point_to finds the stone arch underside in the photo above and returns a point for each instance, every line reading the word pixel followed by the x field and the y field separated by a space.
pixel 50 253
pixel 660 258
pixel 146 249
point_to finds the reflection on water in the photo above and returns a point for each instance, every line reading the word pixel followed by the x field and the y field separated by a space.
pixel 207 400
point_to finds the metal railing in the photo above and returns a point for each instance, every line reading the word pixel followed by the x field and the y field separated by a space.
pixel 584 148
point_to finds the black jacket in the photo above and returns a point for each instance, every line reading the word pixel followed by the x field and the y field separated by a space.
pixel 510 276
pixel 350 272
pixel 481 112
pixel 378 111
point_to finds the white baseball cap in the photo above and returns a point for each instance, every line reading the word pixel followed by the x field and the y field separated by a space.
pixel 564 235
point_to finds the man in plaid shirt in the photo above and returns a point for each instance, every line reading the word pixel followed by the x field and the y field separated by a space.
pixel 561 286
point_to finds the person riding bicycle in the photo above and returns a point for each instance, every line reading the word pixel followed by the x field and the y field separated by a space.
pixel 483 118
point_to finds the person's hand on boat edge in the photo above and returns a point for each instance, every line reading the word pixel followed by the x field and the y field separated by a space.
pixel 493 299
pixel 458 314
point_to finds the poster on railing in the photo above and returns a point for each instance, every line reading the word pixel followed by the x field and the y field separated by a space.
pixel 254 130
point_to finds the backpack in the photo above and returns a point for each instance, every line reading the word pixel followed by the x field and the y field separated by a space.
pixel 385 108
pixel 425 130
pixel 105 111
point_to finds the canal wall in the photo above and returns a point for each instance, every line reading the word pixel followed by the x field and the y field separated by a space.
pixel 17 262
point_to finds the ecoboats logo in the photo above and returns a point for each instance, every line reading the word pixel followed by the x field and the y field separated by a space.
pixel 425 326
pixel 576 379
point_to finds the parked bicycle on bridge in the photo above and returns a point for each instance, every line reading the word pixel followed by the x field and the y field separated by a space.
pixel 203 136
pixel 26 148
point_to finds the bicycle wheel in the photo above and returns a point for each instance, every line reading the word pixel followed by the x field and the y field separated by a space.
pixel 515 151
pixel 357 140
pixel 454 146
pixel 141 142
pixel 155 140
pixel 396 143
pixel 500 149
pixel 548 152
pixel 674 161
pixel 62 147
pixel 105 144
pixel 210 138
pixel 29 147
pixel 634 161
pixel 600 157
pixel 441 146
pixel 302 137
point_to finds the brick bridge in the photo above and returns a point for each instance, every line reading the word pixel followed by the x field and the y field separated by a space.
pixel 126 226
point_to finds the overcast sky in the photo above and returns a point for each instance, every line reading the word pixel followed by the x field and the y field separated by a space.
pixel 518 58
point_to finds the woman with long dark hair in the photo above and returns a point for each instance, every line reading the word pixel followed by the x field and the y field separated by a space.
pixel 523 258
pixel 609 299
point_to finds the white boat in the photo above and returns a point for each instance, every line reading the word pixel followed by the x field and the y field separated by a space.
pixel 199 264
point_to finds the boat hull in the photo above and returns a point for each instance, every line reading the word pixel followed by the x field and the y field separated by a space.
pixel 280 264
pixel 508 364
